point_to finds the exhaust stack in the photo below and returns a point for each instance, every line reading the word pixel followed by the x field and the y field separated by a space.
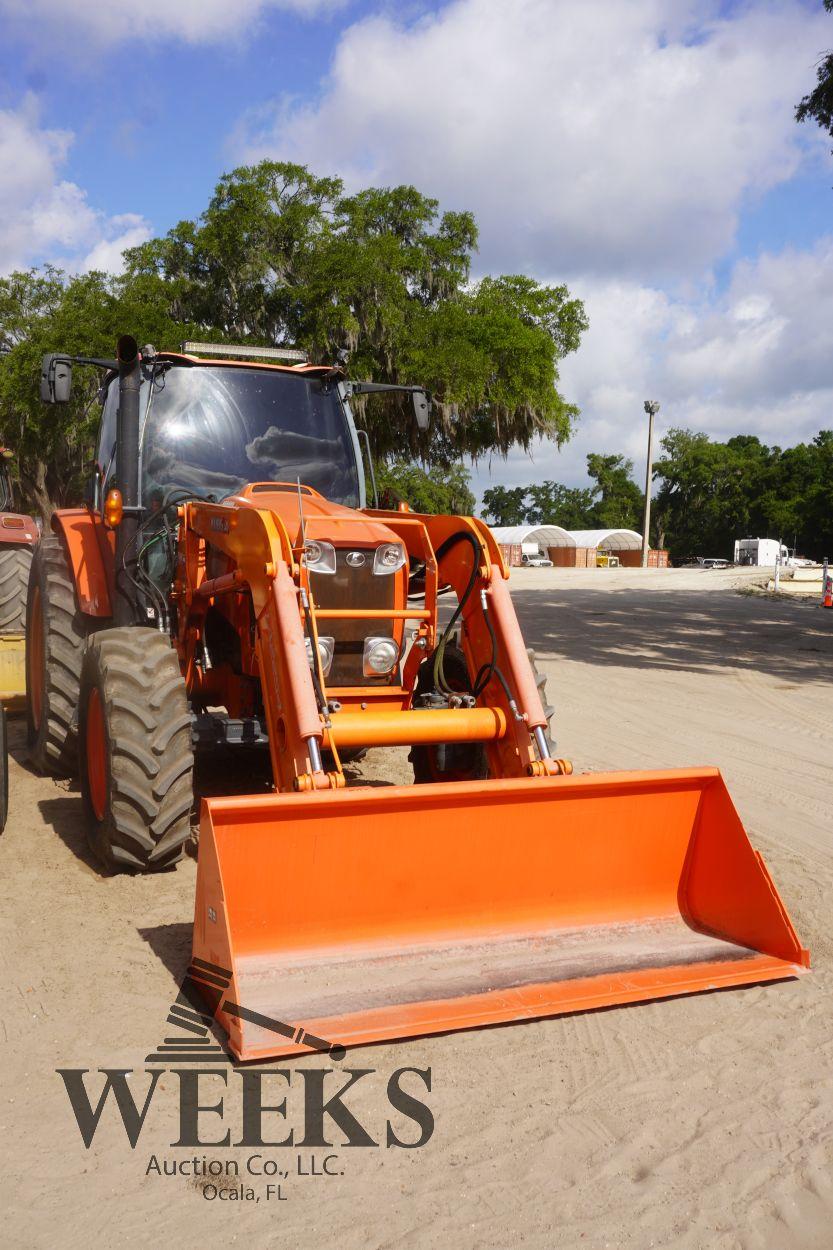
pixel 126 609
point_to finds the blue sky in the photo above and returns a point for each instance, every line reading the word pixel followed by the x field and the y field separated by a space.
pixel 157 95
pixel 644 152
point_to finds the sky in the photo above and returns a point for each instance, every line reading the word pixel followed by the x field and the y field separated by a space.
pixel 644 152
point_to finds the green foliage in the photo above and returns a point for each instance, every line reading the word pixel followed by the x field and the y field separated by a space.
pixel 620 503
pixel 442 491
pixel 505 505
pixel 554 504
pixel 613 502
pixel 819 103
pixel 709 495
pixel 44 311
pixel 712 493
pixel 282 256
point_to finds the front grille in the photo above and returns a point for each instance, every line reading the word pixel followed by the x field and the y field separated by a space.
pixel 351 587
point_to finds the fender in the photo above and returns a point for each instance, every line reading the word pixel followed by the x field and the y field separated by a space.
pixel 91 550
pixel 18 530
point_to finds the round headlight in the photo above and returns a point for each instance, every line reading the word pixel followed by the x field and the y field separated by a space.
pixel 320 557
pixel 380 656
pixel 326 648
pixel 389 557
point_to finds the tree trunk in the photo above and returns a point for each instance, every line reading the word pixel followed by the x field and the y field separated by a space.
pixel 33 478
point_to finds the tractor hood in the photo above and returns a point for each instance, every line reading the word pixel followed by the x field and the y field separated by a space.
pixel 322 519
pixel 18 529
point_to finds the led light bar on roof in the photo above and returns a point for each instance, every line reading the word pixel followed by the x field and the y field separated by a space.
pixel 254 353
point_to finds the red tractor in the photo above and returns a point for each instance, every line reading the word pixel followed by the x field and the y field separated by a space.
pixel 18 537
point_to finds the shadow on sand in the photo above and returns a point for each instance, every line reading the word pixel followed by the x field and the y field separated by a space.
pixel 680 630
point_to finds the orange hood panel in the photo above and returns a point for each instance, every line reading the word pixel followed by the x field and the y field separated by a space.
pixel 322 519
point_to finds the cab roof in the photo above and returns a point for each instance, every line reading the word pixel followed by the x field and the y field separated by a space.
pixel 303 368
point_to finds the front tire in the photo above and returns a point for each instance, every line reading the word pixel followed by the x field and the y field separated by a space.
pixel 134 750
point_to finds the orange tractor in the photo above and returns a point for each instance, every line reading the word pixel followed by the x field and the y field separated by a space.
pixel 226 582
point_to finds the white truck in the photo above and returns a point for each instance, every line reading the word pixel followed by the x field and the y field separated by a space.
pixel 532 557
pixel 761 551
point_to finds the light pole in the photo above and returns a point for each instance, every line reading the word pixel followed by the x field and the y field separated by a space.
pixel 652 408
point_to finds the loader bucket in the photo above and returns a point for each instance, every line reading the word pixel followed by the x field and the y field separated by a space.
pixel 345 917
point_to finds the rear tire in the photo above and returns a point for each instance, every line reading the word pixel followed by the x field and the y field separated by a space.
pixel 55 635
pixel 134 750
pixel 15 563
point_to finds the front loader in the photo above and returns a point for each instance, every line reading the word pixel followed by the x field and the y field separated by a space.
pixel 227 586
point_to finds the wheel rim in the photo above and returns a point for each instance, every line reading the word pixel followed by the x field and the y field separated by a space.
pixel 96 747
pixel 35 653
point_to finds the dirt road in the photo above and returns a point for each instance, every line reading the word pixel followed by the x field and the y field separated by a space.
pixel 699 1122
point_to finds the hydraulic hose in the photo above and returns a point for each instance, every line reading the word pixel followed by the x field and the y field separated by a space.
pixel 490 669
pixel 443 550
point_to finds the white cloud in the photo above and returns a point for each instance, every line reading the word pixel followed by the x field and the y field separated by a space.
pixel 757 359
pixel 589 138
pixel 771 337
pixel 123 231
pixel 194 21
pixel 44 217
pixel 615 145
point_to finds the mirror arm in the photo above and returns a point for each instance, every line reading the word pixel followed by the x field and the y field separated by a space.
pixel 98 362
pixel 363 434
pixel 376 388
pixel 419 395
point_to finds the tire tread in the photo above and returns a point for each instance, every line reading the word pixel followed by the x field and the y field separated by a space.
pixel 150 753
pixel 53 748
pixel 15 563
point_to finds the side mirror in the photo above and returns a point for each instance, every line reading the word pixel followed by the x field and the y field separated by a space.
pixel 422 409
pixel 56 378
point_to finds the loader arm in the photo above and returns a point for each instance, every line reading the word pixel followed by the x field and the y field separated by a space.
pixel 299 706
pixel 260 548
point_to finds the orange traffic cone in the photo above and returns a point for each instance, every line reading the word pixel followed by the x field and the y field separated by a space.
pixel 827 600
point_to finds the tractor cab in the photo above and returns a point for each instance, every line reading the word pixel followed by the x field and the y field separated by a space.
pixel 210 428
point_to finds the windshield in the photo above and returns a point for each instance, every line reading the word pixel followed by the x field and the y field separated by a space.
pixel 211 430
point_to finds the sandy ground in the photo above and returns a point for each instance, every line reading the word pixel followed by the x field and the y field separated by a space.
pixel 697 1122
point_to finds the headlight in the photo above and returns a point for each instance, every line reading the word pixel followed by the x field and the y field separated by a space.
pixel 326 647
pixel 320 557
pixel 389 557
pixel 380 657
